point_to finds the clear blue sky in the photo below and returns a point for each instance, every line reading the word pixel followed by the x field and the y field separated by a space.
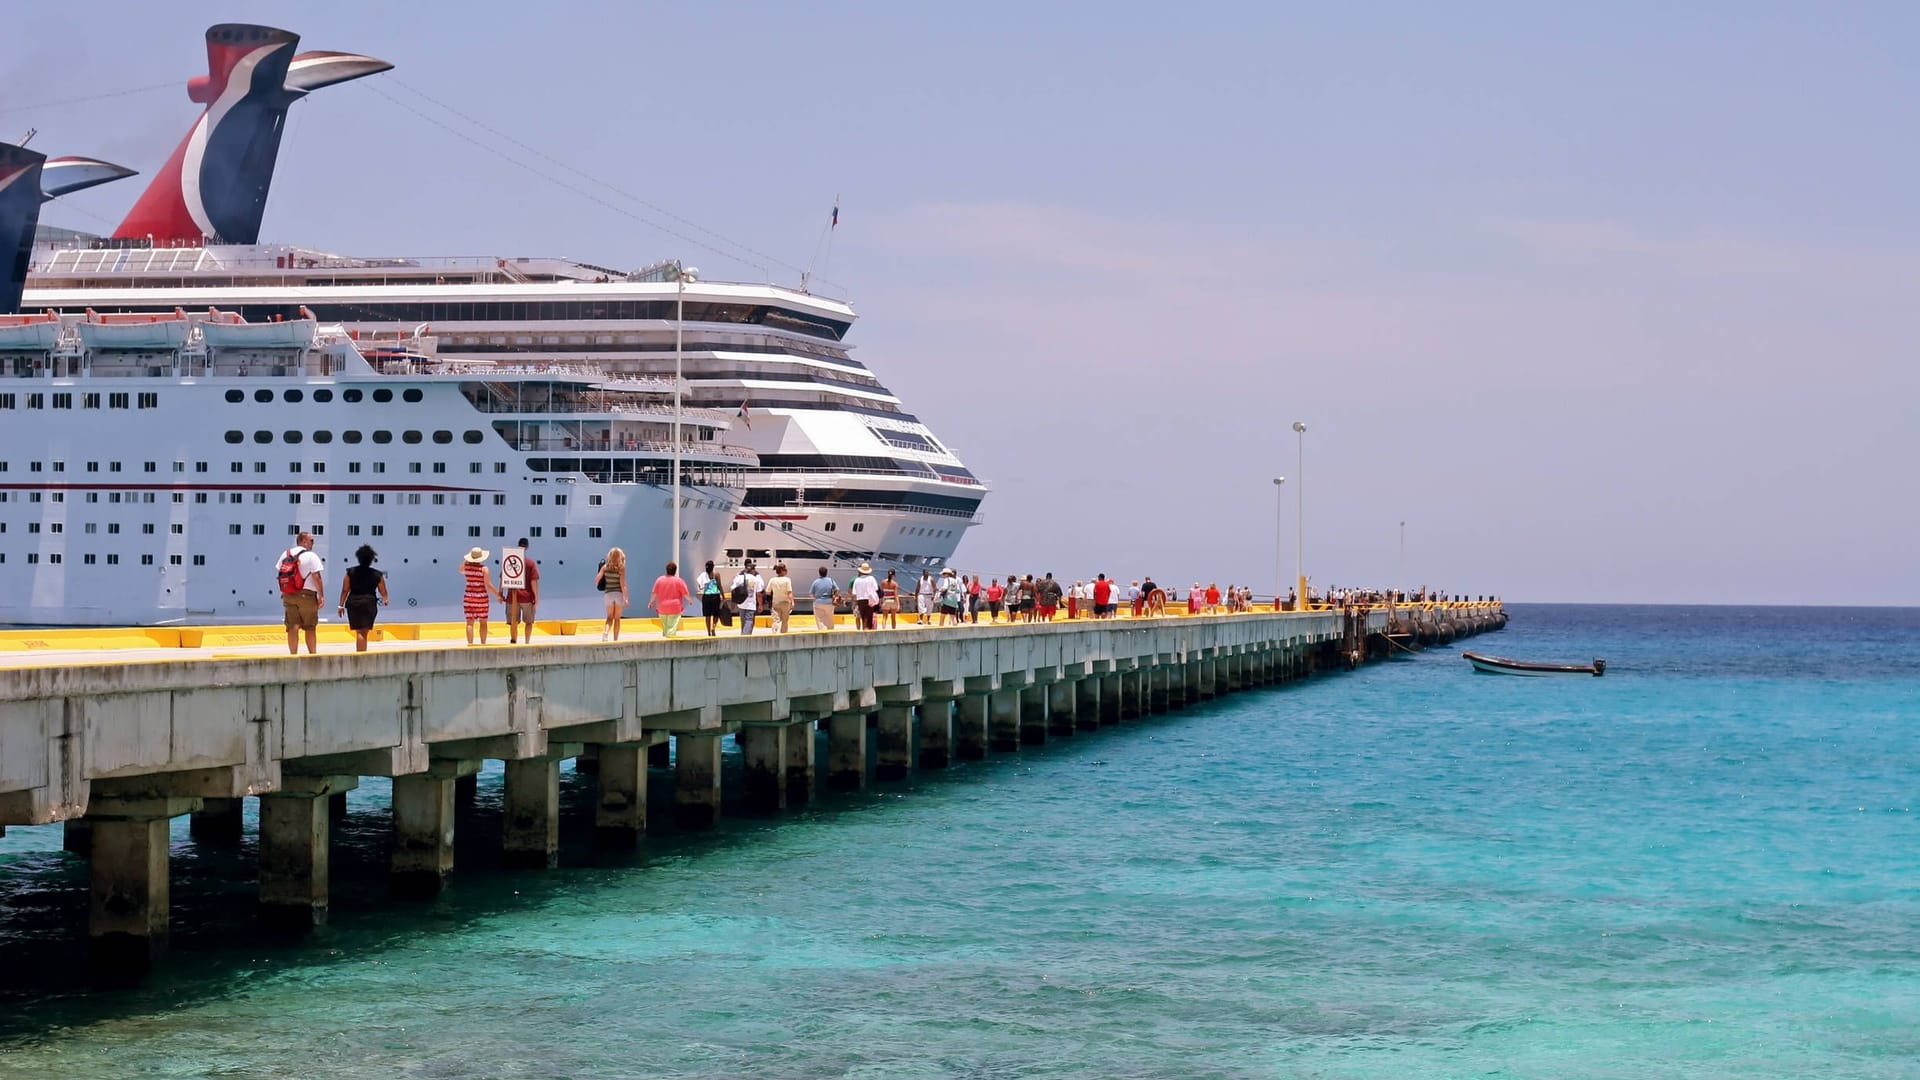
pixel 1608 303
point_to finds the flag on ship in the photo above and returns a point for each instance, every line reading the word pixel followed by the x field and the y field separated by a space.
pixel 835 222
pixel 744 418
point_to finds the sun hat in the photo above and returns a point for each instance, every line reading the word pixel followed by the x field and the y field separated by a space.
pixel 477 555
pixel 865 569
pixel 947 572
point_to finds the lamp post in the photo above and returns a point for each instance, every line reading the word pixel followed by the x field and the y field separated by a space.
pixel 1279 528
pixel 1400 573
pixel 682 275
pixel 1300 510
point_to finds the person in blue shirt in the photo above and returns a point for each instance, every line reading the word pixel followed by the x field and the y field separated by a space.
pixel 825 593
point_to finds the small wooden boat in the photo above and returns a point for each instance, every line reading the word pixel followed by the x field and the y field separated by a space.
pixel 1500 665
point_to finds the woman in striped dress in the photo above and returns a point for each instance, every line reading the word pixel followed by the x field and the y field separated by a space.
pixel 611 580
pixel 477 602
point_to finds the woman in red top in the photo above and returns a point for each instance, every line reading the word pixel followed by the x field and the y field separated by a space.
pixel 477 602
pixel 1213 598
pixel 669 598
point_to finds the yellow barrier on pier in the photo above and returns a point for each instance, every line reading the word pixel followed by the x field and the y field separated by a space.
pixel 107 639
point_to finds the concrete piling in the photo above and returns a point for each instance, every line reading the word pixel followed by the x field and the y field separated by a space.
pixel 847 750
pixel 129 917
pixel 696 779
pixel 422 834
pixel 1062 707
pixel 1033 715
pixel 763 751
pixel 1086 703
pixel 970 722
pixel 893 752
pixel 1005 708
pixel 936 733
pixel 531 806
pixel 295 833
pixel 620 795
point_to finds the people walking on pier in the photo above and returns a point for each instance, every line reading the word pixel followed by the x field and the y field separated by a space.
pixel 522 601
pixel 476 601
pixel 1133 597
pixel 1102 597
pixel 361 594
pixel 924 595
pixel 669 599
pixel 996 596
pixel 890 600
pixel 708 586
pixel 825 595
pixel 745 594
pixel 1049 597
pixel 780 598
pixel 1074 592
pixel 866 597
pixel 301 587
pixel 951 597
pixel 973 598
pixel 611 580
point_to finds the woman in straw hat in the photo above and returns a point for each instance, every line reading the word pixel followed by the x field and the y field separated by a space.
pixel 477 603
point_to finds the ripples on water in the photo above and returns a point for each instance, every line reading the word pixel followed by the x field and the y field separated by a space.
pixel 1705 864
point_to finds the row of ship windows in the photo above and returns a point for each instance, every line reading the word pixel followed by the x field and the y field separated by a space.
pixel 351 396
pixel 378 498
pixel 258 466
pixel 411 438
pixel 34 558
pixel 787 526
pixel 88 400
pixel 831 526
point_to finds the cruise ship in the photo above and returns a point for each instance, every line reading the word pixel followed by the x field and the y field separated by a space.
pixel 832 466
pixel 154 463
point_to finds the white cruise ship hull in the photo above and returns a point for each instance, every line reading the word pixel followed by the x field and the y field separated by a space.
pixel 127 516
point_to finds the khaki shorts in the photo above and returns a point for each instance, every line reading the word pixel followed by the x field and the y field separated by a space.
pixel 303 610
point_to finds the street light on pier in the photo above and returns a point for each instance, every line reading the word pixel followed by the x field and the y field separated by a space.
pixel 1300 510
pixel 1279 527
pixel 682 275
pixel 1400 573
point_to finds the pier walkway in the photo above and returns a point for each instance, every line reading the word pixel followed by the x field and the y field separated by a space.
pixel 118 741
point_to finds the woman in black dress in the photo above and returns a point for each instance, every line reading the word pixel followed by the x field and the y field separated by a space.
pixel 361 594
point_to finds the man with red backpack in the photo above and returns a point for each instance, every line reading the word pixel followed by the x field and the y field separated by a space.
pixel 300 591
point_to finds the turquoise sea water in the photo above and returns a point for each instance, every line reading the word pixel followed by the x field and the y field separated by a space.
pixel 1705 864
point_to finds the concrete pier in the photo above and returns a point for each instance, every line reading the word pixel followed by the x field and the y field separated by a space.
pixel 422 834
pixel 129 916
pixel 1033 715
pixel 620 795
pixel 532 810
pixel 296 827
pixel 117 750
pixel 970 726
pixel 696 779
pixel 847 750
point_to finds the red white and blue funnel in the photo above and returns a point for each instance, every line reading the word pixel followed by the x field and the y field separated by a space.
pixel 28 179
pixel 214 187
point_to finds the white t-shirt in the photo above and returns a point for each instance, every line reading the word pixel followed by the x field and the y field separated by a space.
pixel 754 585
pixel 865 588
pixel 310 567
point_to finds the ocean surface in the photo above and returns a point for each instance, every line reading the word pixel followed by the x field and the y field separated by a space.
pixel 1705 864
